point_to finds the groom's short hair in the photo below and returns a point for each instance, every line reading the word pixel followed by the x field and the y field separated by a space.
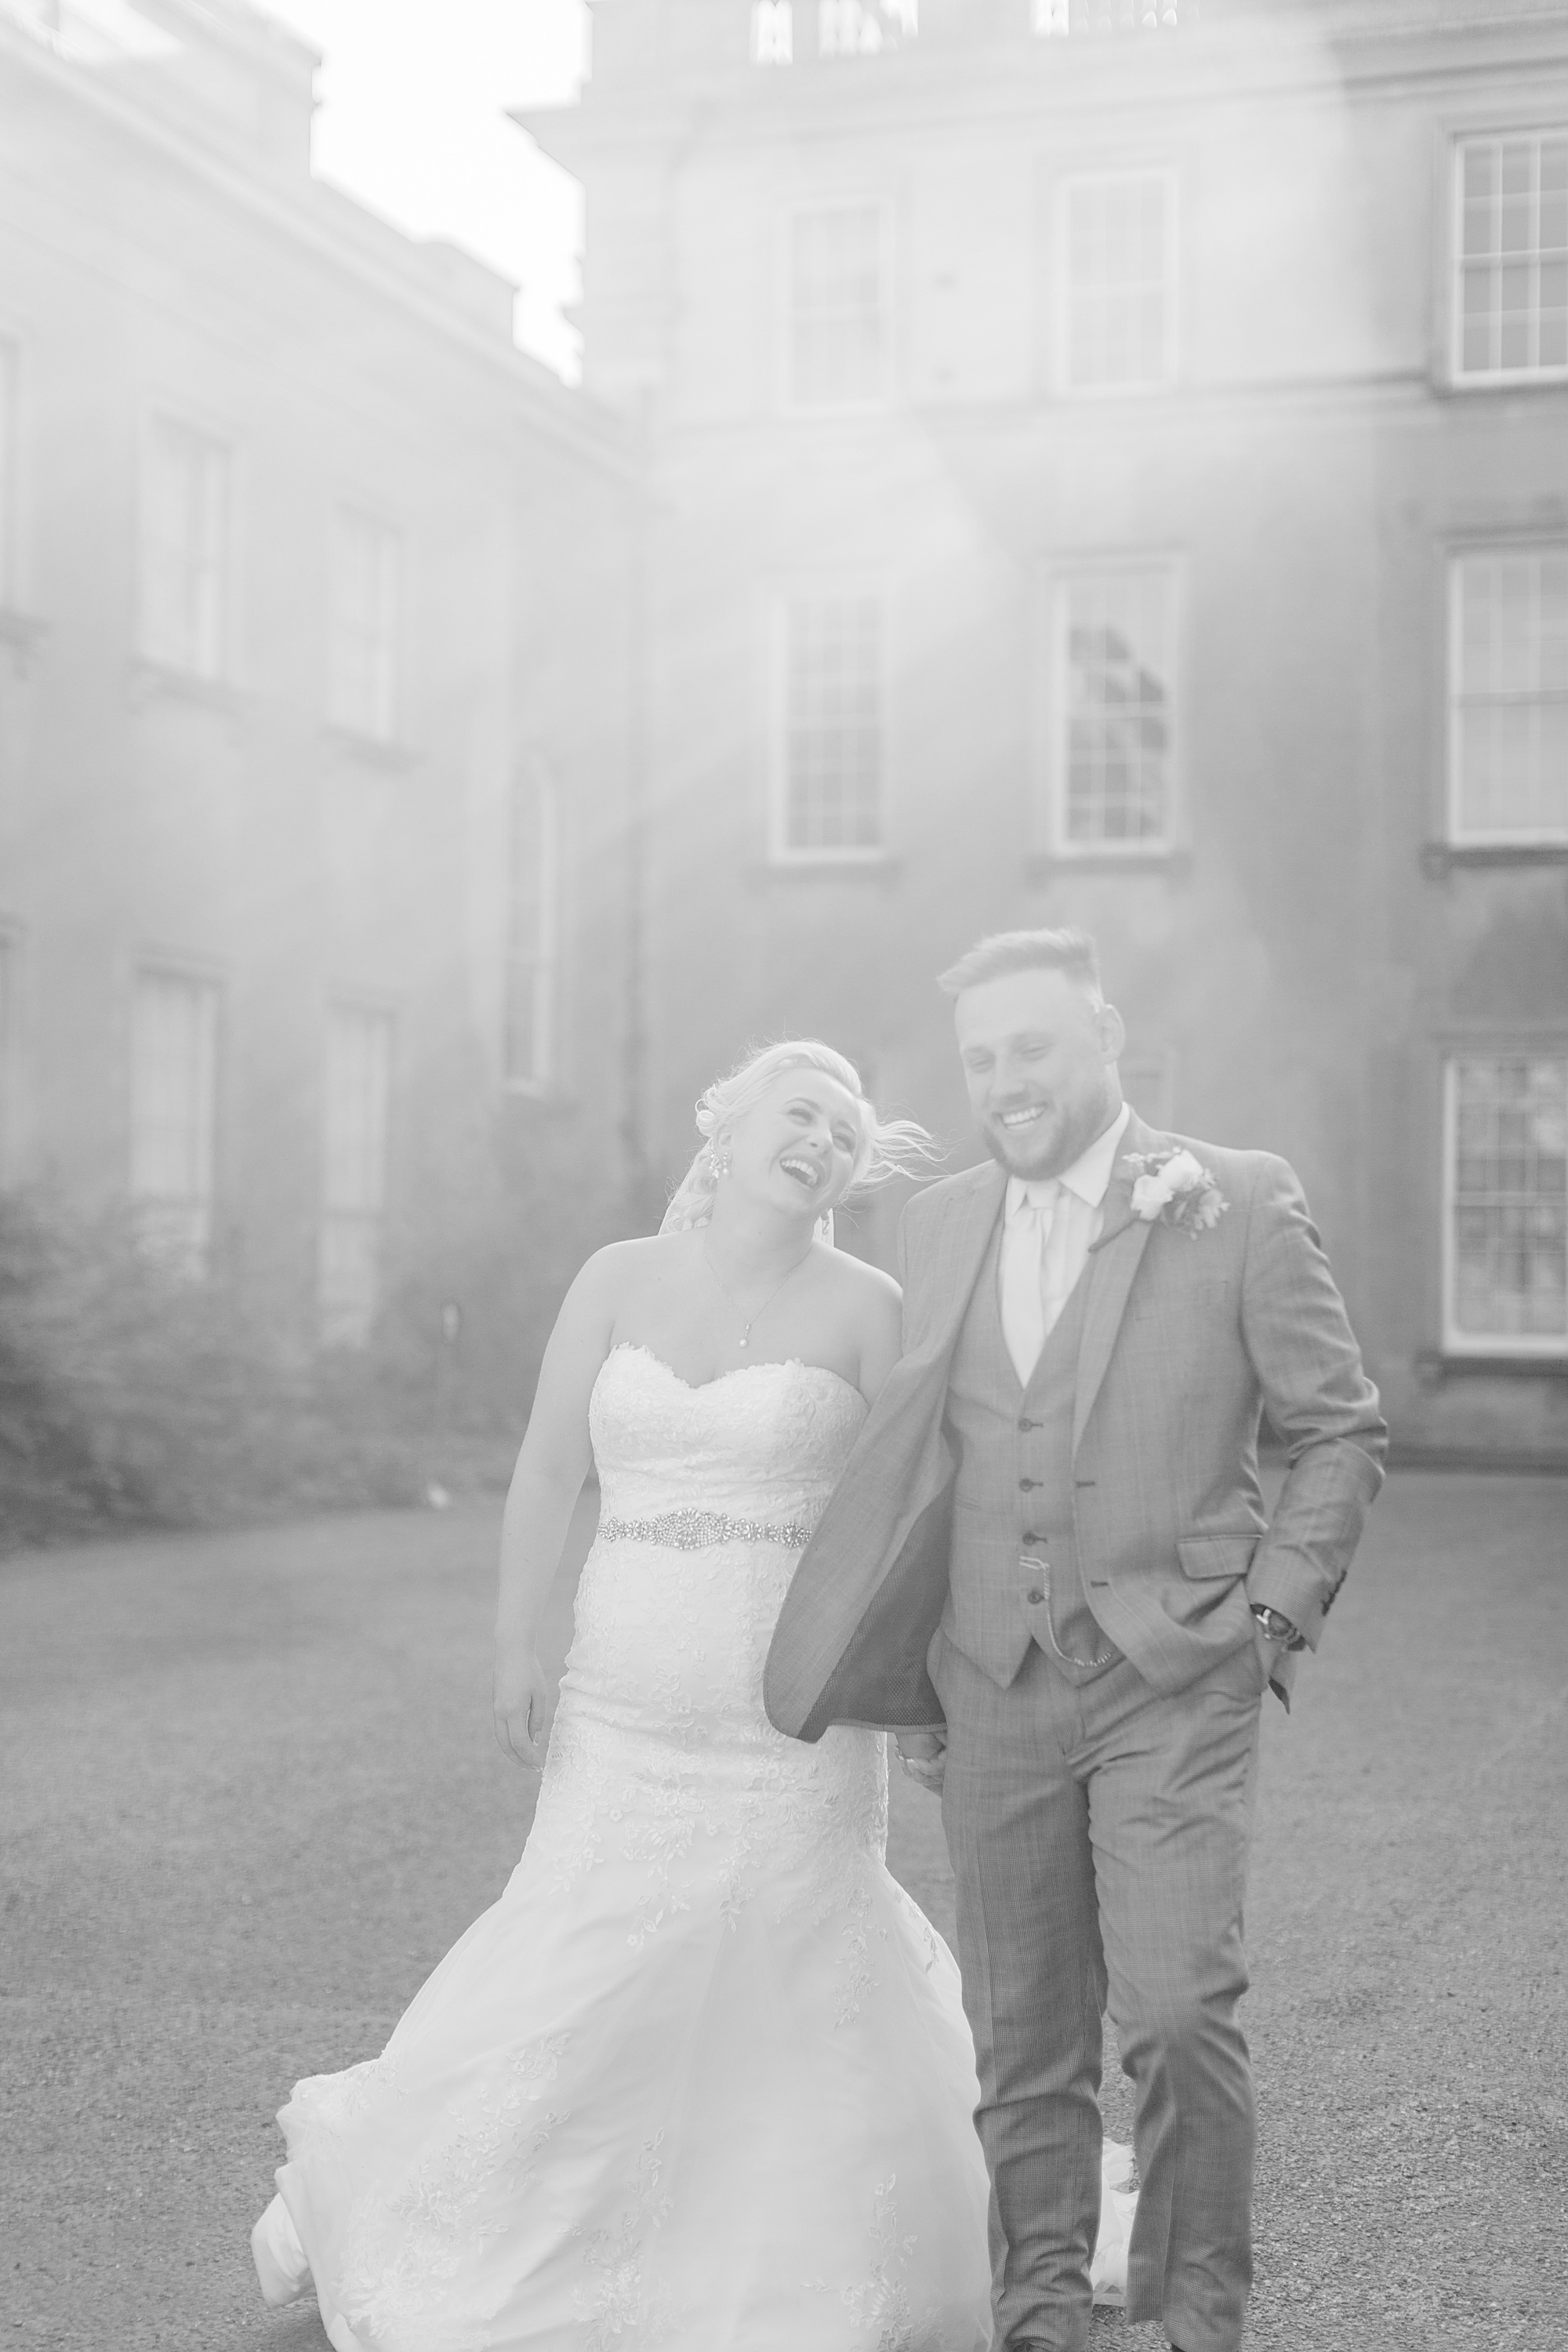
pixel 1071 952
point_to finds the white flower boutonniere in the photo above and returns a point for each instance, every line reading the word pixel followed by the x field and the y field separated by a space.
pixel 1177 1189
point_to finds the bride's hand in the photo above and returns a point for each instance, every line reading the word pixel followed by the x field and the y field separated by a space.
pixel 924 1755
pixel 522 1696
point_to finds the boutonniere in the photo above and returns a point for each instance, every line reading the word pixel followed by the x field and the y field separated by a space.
pixel 1177 1189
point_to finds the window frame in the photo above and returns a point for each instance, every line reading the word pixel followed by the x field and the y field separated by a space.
pixel 155 964
pixel 800 208
pixel 772 33
pixel 1065 185
pixel 544 1076
pixel 1456 555
pixel 389 534
pixel 1514 1346
pixel 1054 699
pixel 1456 138
pixel 14 438
pixel 172 416
pixel 780 854
pixel 368 1006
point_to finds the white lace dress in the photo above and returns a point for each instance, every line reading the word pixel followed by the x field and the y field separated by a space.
pixel 700 2078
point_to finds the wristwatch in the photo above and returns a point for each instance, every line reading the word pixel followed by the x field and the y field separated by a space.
pixel 1278 1627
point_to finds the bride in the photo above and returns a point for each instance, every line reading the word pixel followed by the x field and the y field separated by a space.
pixel 701 2077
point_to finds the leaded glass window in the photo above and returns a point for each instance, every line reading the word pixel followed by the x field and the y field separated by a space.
pixel 1113 754
pixel 1507 1204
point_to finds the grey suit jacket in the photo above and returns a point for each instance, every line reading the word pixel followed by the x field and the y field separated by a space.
pixel 1185 1338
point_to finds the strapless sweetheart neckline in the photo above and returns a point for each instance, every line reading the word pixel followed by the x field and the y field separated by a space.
pixel 735 1373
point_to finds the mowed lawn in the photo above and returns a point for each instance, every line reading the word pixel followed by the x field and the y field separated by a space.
pixel 250 1793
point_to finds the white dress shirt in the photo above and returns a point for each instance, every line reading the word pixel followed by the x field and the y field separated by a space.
pixel 1049 1225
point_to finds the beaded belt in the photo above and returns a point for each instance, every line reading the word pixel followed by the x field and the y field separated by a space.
pixel 693 1531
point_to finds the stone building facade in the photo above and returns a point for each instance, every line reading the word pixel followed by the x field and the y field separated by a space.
pixel 313 734
pixel 1108 464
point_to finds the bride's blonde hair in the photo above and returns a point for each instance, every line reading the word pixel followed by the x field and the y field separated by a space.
pixel 887 1147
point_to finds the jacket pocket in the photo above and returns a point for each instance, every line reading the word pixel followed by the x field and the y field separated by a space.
pixel 1217 1555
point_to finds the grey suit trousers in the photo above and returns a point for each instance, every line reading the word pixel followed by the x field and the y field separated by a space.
pixel 1100 1835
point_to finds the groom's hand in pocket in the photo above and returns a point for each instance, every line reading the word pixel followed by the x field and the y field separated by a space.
pixel 924 1755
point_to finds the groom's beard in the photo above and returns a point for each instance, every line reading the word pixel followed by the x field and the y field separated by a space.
pixel 1057 1138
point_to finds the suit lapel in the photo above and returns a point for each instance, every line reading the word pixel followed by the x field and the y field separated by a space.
pixel 957 1252
pixel 1113 1261
pixel 971 1218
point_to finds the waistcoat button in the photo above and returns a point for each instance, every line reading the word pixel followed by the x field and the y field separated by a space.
pixel 1028 1425
pixel 1033 1596
pixel 1026 1484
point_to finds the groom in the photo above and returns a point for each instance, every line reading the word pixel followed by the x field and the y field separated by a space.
pixel 1050 1547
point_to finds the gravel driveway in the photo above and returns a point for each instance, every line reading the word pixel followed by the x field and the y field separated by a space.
pixel 250 1795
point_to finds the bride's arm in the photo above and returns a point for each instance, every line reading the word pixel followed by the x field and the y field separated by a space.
pixel 555 1459
pixel 922 1753
pixel 880 1330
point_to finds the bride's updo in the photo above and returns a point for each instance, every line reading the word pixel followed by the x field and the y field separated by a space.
pixel 886 1148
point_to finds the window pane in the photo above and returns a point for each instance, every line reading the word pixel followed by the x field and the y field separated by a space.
pixel 185 541
pixel 837 307
pixel 1510 694
pixel 1509 1197
pixel 1117 306
pixel 364 620
pixel 528 1044
pixel 1514 208
pixel 355 1133
pixel 10 467
pixel 831 756
pixel 773 32
pixel 1115 641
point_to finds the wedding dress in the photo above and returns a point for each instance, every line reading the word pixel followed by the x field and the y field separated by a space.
pixel 700 2078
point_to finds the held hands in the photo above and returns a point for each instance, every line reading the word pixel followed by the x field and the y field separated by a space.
pixel 522 1696
pixel 924 1755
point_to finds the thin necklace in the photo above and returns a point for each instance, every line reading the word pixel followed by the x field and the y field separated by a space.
pixel 747 1322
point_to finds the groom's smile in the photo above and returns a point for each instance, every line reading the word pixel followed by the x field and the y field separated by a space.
pixel 1026 1139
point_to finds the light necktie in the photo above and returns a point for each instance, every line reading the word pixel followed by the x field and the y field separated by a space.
pixel 1025 1239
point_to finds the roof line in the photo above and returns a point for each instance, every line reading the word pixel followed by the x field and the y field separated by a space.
pixel 593 432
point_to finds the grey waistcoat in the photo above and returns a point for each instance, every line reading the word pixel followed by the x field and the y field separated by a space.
pixel 1014 1575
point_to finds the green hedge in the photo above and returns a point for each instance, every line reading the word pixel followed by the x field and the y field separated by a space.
pixel 133 1397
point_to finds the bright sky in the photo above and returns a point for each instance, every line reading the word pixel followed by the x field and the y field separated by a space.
pixel 411 123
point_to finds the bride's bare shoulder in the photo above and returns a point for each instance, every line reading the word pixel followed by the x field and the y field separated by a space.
pixel 623 1267
pixel 870 1293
